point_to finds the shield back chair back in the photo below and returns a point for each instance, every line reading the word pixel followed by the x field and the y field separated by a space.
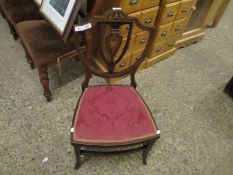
pixel 111 117
pixel 15 11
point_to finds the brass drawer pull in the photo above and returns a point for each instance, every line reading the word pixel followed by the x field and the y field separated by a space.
pixel 184 10
pixel 122 64
pixel 143 41
pixel 164 33
pixel 177 28
pixel 133 2
pixel 171 44
pixel 148 21
pixel 170 14
pixel 158 49
pixel 138 57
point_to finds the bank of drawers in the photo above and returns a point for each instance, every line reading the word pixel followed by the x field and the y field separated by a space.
pixel 172 22
pixel 129 59
pixel 146 17
pixel 171 25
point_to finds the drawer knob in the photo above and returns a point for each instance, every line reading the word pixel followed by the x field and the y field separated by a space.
pixel 133 2
pixel 177 29
pixel 184 10
pixel 143 41
pixel 148 21
pixel 123 64
pixel 164 33
pixel 171 44
pixel 170 14
pixel 138 57
pixel 158 49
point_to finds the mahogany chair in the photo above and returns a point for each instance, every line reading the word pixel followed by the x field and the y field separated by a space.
pixel 44 48
pixel 111 117
pixel 15 11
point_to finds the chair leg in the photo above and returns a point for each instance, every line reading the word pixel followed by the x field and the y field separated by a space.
pixel 43 73
pixel 13 32
pixel 148 147
pixel 3 15
pixel 29 60
pixel 77 150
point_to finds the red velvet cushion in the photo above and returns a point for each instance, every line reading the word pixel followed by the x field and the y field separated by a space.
pixel 112 114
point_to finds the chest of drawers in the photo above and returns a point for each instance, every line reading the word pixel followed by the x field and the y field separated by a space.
pixel 170 18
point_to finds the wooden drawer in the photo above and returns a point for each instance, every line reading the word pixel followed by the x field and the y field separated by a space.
pixel 169 12
pixel 163 32
pixel 149 3
pixel 135 56
pixel 170 1
pixel 141 40
pixel 185 8
pixel 178 27
pixel 158 48
pixel 131 45
pixel 124 29
pixel 123 64
pixel 148 16
pixel 170 44
pixel 130 6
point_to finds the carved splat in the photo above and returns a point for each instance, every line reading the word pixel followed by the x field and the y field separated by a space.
pixel 95 38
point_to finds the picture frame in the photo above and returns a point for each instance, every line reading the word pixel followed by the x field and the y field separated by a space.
pixel 38 2
pixel 61 15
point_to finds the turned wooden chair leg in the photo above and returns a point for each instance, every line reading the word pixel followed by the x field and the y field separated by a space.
pixel 13 32
pixel 77 150
pixel 43 73
pixel 29 60
pixel 3 15
pixel 147 149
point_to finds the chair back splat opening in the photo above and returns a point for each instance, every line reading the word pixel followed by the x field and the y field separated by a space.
pixel 104 44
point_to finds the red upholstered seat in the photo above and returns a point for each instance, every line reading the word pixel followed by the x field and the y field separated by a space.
pixel 112 115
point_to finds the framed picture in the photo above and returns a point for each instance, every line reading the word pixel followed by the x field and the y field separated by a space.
pixel 61 14
pixel 38 2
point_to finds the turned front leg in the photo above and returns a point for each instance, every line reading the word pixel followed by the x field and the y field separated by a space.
pixel 29 60
pixel 43 73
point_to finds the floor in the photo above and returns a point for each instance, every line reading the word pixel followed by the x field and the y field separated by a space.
pixel 184 92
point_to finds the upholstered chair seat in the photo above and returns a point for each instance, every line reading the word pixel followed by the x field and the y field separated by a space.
pixel 111 116
pixel 43 45
pixel 19 10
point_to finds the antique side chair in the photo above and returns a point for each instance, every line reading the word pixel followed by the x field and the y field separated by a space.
pixel 15 11
pixel 111 119
pixel 44 48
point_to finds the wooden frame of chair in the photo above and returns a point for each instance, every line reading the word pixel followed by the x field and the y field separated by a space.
pixel 114 18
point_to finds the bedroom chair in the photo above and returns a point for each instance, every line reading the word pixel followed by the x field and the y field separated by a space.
pixel 111 117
